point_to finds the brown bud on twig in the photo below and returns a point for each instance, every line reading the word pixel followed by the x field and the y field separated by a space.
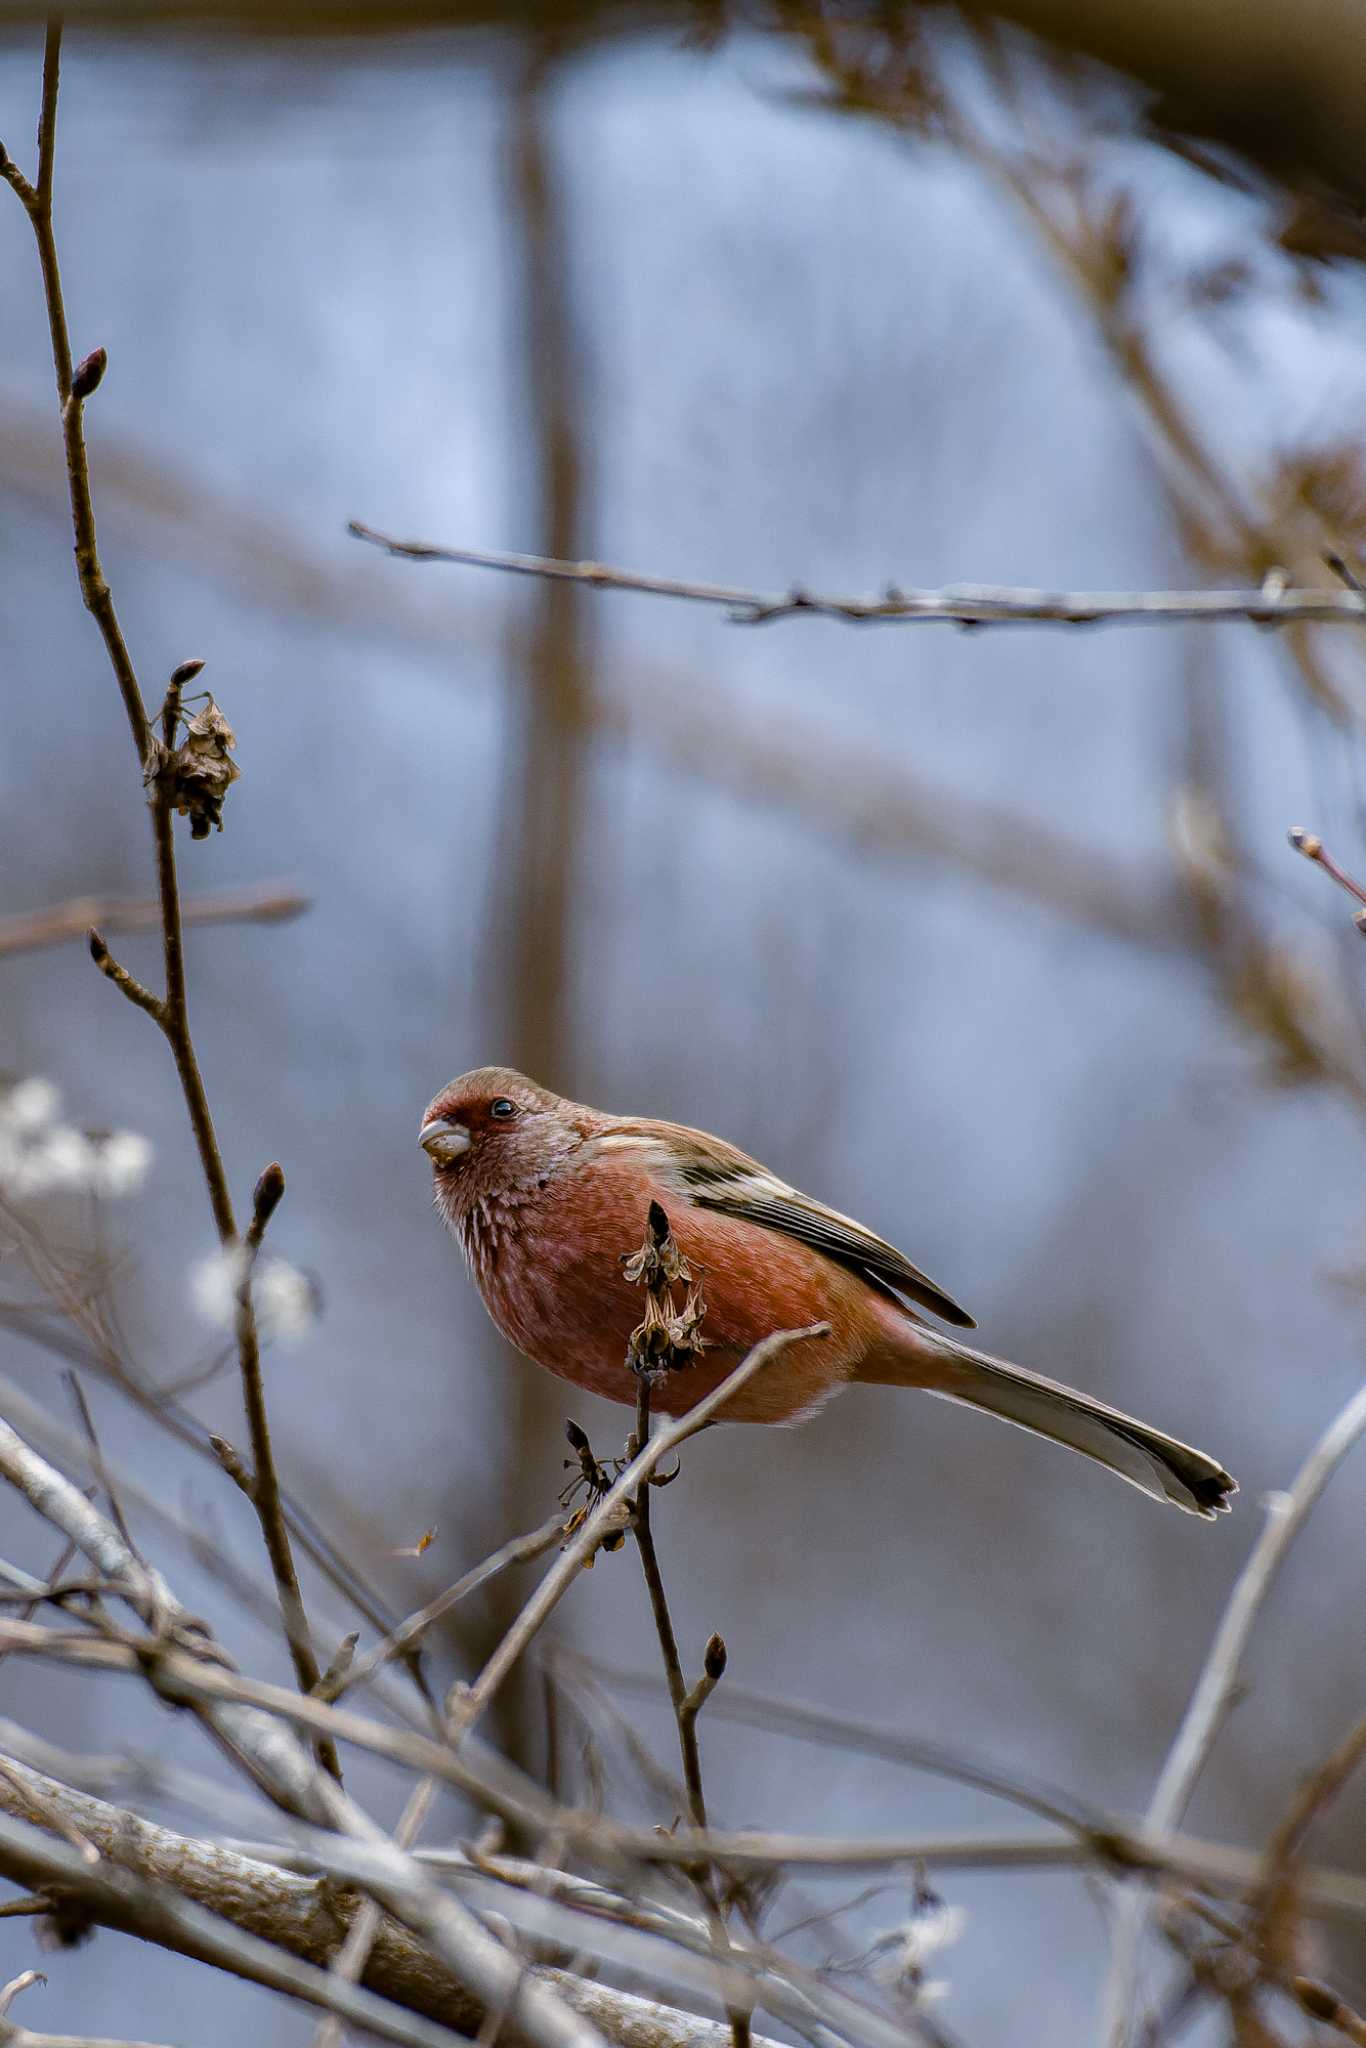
pixel 266 1198
pixel 713 1669
pixel 89 374
pixel 231 1459
pixel 1313 848
pixel 333 1679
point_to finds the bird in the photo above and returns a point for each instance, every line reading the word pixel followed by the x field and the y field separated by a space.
pixel 547 1198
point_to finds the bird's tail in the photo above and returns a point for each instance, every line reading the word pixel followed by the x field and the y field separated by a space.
pixel 916 1356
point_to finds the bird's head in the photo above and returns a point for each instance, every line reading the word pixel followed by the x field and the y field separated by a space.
pixel 492 1130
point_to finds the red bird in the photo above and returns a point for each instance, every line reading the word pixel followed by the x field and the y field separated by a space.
pixel 546 1196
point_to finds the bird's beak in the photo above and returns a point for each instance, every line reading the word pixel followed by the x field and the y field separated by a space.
pixel 443 1141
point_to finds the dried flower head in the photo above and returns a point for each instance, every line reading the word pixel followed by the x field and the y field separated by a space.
pixel 201 769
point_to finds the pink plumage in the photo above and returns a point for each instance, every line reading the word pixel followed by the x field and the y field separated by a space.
pixel 547 1196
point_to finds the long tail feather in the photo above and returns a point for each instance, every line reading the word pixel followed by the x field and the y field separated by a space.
pixel 1155 1463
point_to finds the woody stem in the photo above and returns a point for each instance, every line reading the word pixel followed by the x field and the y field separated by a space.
pixel 685 1720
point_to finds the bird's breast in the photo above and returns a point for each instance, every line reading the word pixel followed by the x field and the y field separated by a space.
pixel 549 1267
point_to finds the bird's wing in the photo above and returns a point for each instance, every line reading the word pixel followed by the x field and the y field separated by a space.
pixel 718 1176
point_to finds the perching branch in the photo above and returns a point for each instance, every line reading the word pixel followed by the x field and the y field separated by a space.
pixel 668 1340
pixel 612 1513
pixel 968 604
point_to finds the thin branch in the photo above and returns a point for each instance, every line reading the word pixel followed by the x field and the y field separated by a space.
pixel 1313 848
pixel 1216 1691
pixel 667 1340
pixel 171 1012
pixel 37 201
pixel 265 1483
pixel 962 605
pixel 1271 1932
pixel 405 1638
pixel 263 903
pixel 128 984
pixel 14 2036
pixel 611 1513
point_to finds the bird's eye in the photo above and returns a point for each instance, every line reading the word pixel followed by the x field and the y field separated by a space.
pixel 500 1106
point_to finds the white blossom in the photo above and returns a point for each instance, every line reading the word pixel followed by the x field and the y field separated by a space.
pixel 121 1163
pixel 30 1105
pixel 286 1300
pixel 39 1156
pixel 215 1283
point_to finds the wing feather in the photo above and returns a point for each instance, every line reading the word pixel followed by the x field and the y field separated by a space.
pixel 719 1176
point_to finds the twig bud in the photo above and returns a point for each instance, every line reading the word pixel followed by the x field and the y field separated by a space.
pixel 99 952
pixel 268 1194
pixel 230 1458
pixel 186 673
pixel 89 374
pixel 714 1658
pixel 1307 843
pixel 333 1680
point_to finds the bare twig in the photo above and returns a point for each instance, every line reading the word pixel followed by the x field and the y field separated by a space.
pixel 171 1011
pixel 610 1513
pixel 668 1341
pixel 1271 1933
pixel 1313 848
pixel 963 605
pixel 14 2036
pixel 1216 1691
pixel 404 1638
pixel 1323 2004
pixel 263 903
